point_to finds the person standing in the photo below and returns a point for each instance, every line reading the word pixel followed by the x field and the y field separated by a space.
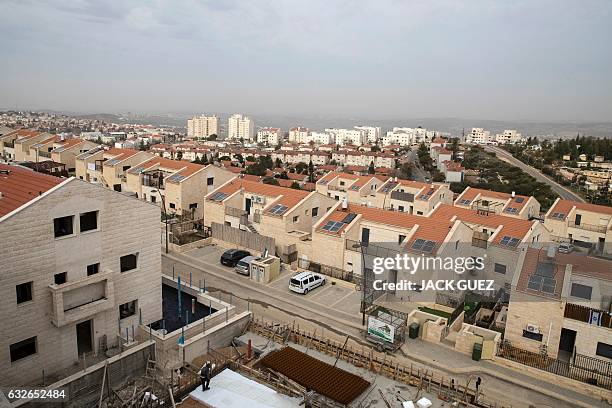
pixel 205 375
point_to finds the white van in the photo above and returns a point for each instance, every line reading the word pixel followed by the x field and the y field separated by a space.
pixel 305 281
pixel 243 266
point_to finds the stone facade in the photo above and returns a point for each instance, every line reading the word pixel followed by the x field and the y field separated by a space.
pixel 30 253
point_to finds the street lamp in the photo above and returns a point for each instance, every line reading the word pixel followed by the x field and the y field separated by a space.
pixel 364 281
pixel 165 214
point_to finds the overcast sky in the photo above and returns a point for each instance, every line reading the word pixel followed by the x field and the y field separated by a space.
pixel 508 60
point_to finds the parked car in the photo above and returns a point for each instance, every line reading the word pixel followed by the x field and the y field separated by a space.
pixel 232 256
pixel 565 248
pixel 305 281
pixel 243 266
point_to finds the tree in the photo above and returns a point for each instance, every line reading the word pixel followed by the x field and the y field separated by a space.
pixel 256 169
pixel 225 158
pixel 204 159
pixel 141 145
pixel 266 161
pixel 212 137
pixel 454 147
pixel 239 158
pixel 270 180
pixel 405 171
pixel 295 185
pixel 278 162
pixel 179 155
pixel 371 169
pixel 311 172
pixel 301 167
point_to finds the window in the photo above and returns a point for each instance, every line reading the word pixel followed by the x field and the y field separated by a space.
pixel 117 187
pixel 210 181
pixel 89 221
pixel 532 335
pixel 153 199
pixel 93 269
pixel 500 268
pixel 128 262
pixel 63 226
pixel 172 205
pixel 24 292
pixel 401 239
pixel 23 349
pixel 296 218
pixel 581 291
pixel 400 208
pixel 604 350
pixel 127 309
pixel 60 278
pixel 125 168
pixel 315 211
pixel 193 206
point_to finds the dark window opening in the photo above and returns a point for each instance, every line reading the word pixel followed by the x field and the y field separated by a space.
pixel 60 278
pixel 117 187
pixel 315 211
pixel 23 349
pixel 172 205
pixel 604 350
pixel 24 292
pixel 499 268
pixel 193 206
pixel 63 226
pixel 89 221
pixel 532 335
pixel 93 269
pixel 127 309
pixel 210 181
pixel 581 291
pixel 128 262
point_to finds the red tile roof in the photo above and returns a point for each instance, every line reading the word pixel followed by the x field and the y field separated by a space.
pixel 20 186
pixel 287 196
pixel 565 206
pixel 183 168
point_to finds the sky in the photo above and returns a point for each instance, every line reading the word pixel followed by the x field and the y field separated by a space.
pixel 502 60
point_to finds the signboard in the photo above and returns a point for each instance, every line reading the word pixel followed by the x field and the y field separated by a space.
pixel 380 329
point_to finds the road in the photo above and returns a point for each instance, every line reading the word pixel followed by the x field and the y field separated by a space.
pixel 418 174
pixel 333 310
pixel 563 192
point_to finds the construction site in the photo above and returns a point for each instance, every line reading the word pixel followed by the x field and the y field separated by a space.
pixel 262 364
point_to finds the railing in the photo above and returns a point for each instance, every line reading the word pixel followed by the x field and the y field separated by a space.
pixel 372 249
pixel 45 154
pixel 587 369
pixel 589 227
pixel 234 212
pixel 588 315
pixel 402 196
pixel 9 144
pixel 334 188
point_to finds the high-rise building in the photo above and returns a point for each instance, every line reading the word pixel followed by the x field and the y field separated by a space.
pixel 269 135
pixel 240 127
pixel 372 133
pixel 203 126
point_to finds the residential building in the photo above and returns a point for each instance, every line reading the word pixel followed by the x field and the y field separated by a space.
pixel 586 225
pixel 80 265
pixel 285 214
pixel 372 133
pixel 299 135
pixel 7 143
pixel 179 187
pixel 453 172
pixel 108 166
pixel 66 152
pixel 270 136
pixel 357 158
pixel 350 187
pixel 320 138
pixel 240 127
pixel 508 204
pixel 439 155
pixel 356 137
pixel 509 137
pixel 23 140
pixel 560 306
pixel 203 126
pixel 479 136
pixel 412 197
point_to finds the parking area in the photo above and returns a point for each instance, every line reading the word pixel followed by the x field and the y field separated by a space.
pixel 334 294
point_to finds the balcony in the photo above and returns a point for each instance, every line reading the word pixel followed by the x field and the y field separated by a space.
pixel 588 315
pixel 81 299
pixel 335 188
pixel 589 227
pixel 402 196
pixel 234 212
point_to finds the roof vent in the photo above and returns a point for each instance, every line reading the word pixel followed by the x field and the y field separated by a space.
pixel 513 194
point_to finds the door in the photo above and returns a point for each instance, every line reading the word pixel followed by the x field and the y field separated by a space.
pixel 578 219
pixel 365 236
pixel 567 341
pixel 247 206
pixel 84 340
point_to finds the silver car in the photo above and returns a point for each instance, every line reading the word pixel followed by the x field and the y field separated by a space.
pixel 566 248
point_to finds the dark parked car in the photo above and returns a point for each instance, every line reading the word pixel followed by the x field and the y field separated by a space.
pixel 232 256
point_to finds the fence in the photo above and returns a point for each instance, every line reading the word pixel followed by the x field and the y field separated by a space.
pixel 242 238
pixel 588 315
pixel 331 271
pixel 582 368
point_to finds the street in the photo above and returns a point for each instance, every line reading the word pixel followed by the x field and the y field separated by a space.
pixel 563 192
pixel 333 310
